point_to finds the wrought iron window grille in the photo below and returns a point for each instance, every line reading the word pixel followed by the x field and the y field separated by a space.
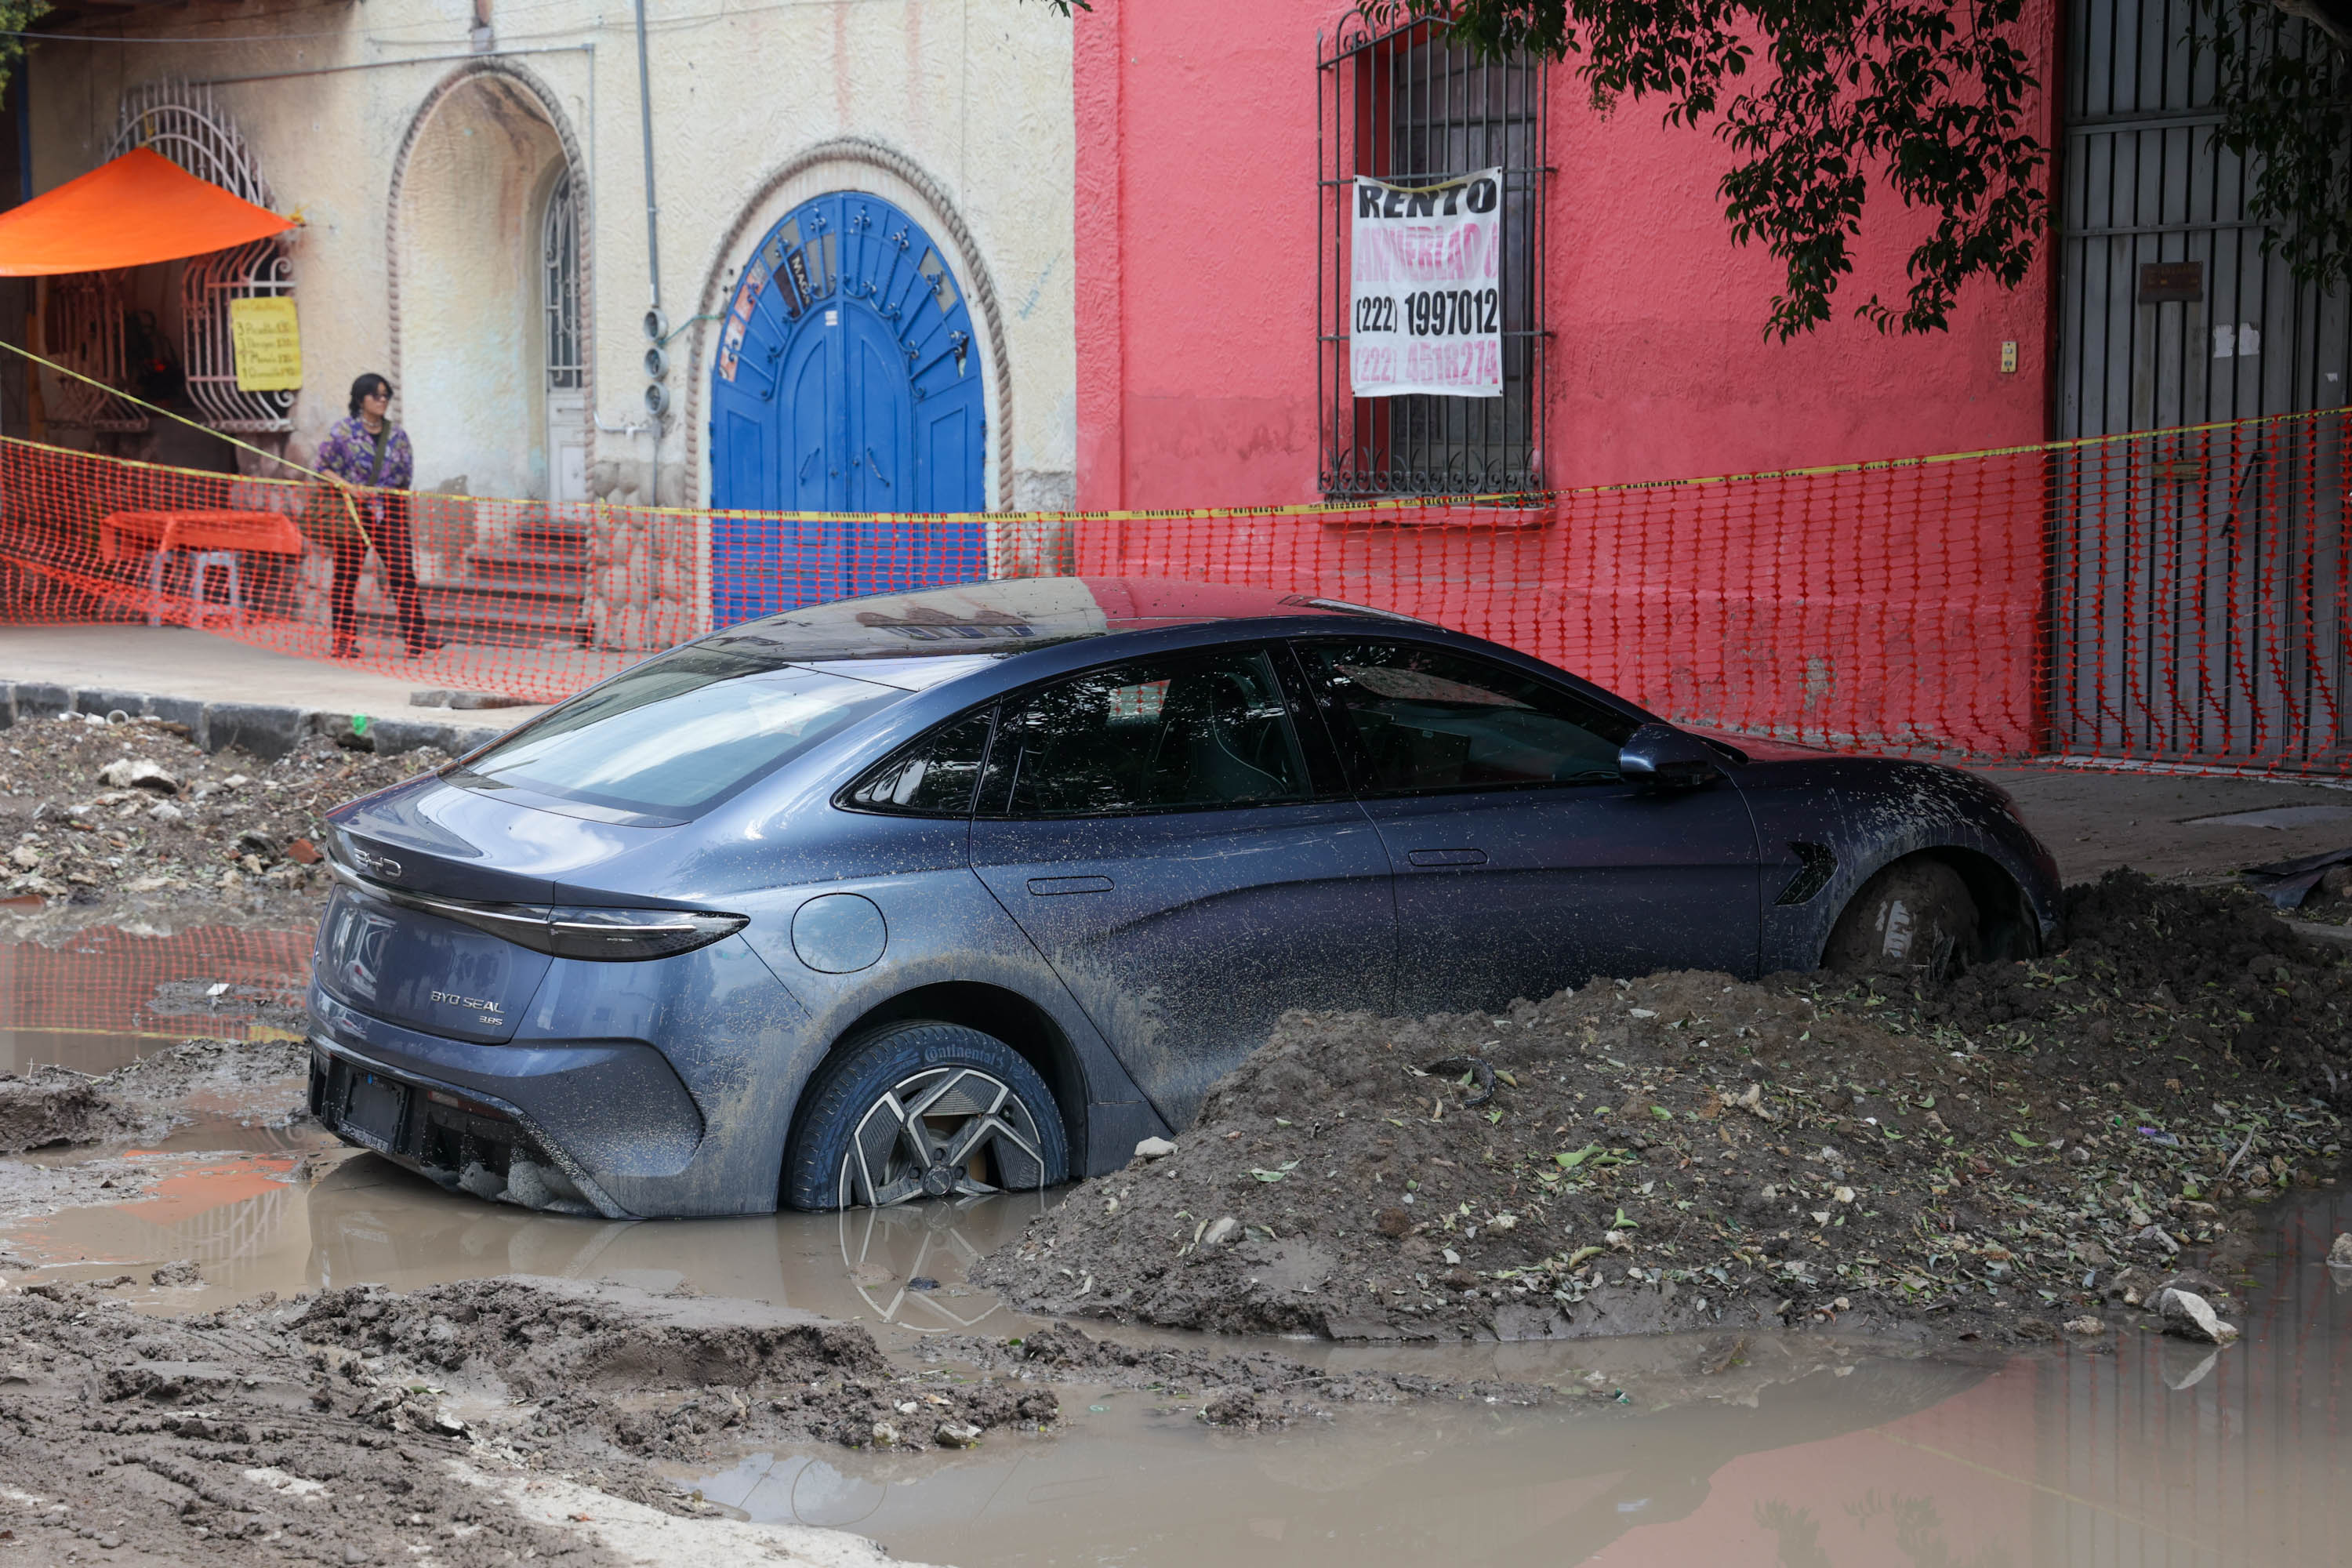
pixel 181 120
pixel 1405 106
pixel 567 369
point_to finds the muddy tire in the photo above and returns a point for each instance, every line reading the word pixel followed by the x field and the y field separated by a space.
pixel 1916 917
pixel 922 1110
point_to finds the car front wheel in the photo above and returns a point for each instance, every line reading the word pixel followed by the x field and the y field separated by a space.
pixel 1914 917
pixel 923 1109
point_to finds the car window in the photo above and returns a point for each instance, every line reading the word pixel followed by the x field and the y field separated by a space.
pixel 675 735
pixel 933 777
pixel 1192 730
pixel 1426 719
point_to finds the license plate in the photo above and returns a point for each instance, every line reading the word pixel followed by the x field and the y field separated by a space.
pixel 373 1110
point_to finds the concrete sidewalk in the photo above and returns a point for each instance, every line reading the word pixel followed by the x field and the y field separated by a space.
pixel 180 661
pixel 2168 825
pixel 226 693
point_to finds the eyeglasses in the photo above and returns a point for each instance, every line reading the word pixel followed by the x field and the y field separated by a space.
pixel 382 392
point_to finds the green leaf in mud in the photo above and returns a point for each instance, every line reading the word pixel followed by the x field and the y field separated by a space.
pixel 1926 1102
pixel 1506 1078
pixel 1494 1115
pixel 1662 1113
pixel 1581 1254
pixel 2022 1142
pixel 1621 1223
pixel 1571 1162
pixel 1892 1135
pixel 1287 1166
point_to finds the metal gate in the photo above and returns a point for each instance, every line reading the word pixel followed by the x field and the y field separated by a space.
pixel 2197 573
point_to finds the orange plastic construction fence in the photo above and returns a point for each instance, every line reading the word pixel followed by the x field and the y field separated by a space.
pixel 2174 596
pixel 206 982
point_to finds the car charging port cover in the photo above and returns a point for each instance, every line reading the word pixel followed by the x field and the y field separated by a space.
pixel 839 933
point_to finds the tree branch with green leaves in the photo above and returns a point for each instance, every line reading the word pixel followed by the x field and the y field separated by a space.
pixel 1823 104
pixel 1827 103
pixel 15 16
pixel 2282 82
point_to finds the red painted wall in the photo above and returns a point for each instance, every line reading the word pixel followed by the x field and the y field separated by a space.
pixel 1197 218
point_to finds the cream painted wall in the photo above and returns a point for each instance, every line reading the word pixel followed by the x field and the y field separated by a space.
pixel 971 96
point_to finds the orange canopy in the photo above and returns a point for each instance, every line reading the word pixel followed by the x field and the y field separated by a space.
pixel 140 207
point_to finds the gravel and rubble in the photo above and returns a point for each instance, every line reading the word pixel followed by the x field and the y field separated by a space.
pixel 2031 1145
pixel 132 823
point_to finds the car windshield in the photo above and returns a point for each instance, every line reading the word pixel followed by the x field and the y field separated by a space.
pixel 678 734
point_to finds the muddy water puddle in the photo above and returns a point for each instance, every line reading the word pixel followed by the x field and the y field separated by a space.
pixel 2157 1452
pixel 254 1214
pixel 1805 1454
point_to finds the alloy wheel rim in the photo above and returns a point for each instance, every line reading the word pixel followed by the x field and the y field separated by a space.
pixel 942 1132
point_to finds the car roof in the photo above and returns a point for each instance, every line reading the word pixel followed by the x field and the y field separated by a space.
pixel 1013 616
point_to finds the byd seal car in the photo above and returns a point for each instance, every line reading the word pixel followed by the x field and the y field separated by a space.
pixel 971 889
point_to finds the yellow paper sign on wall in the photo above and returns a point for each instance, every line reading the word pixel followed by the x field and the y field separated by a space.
pixel 269 344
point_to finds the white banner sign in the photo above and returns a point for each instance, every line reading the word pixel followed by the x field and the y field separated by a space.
pixel 1427 298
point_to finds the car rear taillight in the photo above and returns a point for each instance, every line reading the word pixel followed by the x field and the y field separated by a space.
pixel 564 931
pixel 582 932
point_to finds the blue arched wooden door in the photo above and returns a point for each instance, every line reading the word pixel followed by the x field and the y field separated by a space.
pixel 847 380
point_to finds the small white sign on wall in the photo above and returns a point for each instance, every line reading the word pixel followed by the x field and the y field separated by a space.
pixel 1426 297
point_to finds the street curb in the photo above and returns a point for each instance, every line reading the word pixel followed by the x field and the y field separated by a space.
pixel 267 731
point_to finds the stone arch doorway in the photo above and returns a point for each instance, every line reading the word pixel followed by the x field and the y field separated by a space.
pixel 848 379
pixel 489 336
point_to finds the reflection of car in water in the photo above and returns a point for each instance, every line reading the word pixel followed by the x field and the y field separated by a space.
pixel 969 890
pixel 372 1223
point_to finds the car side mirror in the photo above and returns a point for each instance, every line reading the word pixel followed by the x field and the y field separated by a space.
pixel 1663 757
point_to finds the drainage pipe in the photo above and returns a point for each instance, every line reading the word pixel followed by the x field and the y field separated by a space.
pixel 645 121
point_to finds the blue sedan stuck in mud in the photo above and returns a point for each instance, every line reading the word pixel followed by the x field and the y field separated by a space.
pixel 971 889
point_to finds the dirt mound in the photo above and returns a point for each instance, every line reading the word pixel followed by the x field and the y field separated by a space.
pixel 2028 1144
pixel 560 1336
pixel 2157 969
pixel 53 1106
pixel 259 1083
pixel 667 1376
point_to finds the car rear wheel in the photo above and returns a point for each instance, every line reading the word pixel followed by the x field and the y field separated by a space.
pixel 923 1109
pixel 1914 917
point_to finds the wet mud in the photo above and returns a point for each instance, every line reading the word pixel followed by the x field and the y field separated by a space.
pixel 266 1436
pixel 53 1106
pixel 2031 1147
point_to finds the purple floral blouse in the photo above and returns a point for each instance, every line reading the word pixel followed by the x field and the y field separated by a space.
pixel 349 451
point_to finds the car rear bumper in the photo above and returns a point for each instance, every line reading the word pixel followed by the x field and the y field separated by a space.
pixel 463 1138
pixel 606 1125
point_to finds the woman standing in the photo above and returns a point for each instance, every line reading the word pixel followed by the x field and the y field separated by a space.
pixel 368 452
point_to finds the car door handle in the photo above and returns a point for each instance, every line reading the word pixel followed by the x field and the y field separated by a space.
pixel 1447 856
pixel 1045 887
